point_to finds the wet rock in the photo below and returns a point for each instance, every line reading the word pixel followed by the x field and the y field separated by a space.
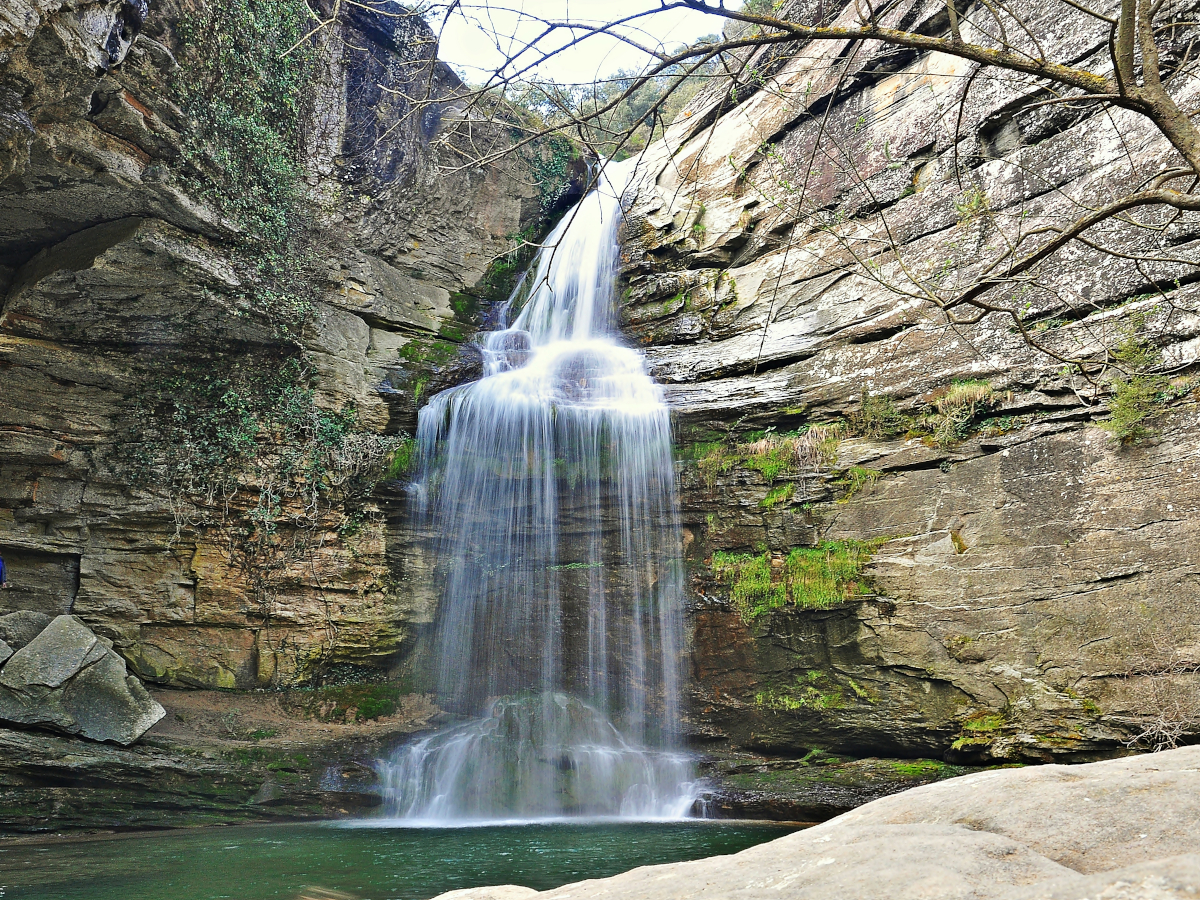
pixel 19 628
pixel 790 790
pixel 53 783
pixel 70 680
pixel 1031 573
pixel 512 350
pixel 1001 647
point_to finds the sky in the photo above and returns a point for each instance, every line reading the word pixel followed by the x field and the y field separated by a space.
pixel 469 38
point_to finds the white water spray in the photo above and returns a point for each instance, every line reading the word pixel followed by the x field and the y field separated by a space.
pixel 550 482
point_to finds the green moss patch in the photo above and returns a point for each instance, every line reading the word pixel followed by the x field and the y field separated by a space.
pixel 813 690
pixel 808 577
pixel 951 415
pixel 346 702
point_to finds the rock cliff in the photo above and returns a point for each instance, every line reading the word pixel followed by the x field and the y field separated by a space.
pixel 217 322
pixel 207 378
pixel 1029 586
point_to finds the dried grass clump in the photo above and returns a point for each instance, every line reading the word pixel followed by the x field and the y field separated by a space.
pixel 773 455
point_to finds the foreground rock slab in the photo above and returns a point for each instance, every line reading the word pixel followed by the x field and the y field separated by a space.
pixel 68 679
pixel 1126 829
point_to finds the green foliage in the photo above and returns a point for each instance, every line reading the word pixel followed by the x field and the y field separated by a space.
pixel 205 426
pixel 752 587
pixel 772 455
pixel 924 768
pixel 256 430
pixel 402 460
pixel 952 414
pixel 1134 353
pixel 855 479
pixel 808 577
pixel 970 204
pixel 985 722
pixel 1134 400
pixel 551 165
pixel 501 277
pixel 1139 395
pixel 878 417
pixel 779 494
pixel 466 308
pixel 270 759
pixel 347 702
pixel 955 409
pixel 980 730
pixel 435 351
pixel 813 690
pixel 243 85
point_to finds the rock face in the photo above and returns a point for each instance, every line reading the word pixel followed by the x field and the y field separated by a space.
pixel 129 300
pixel 1123 828
pixel 1034 593
pixel 68 679
pixel 19 628
pixel 51 783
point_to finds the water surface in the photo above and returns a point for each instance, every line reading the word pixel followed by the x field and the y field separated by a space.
pixel 287 862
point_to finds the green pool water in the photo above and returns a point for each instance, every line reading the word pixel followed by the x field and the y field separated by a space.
pixel 375 863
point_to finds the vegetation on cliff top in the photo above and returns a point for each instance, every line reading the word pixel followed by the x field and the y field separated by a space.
pixel 244 84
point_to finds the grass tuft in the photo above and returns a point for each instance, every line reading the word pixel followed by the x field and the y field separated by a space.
pixel 808 577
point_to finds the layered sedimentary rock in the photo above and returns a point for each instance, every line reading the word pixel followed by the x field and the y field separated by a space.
pixel 1036 591
pixel 125 290
pixel 1033 591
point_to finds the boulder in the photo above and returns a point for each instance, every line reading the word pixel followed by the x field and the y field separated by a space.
pixel 19 628
pixel 5 652
pixel 70 680
pixel 1122 829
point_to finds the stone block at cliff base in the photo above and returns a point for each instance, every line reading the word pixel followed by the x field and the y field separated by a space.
pixel 69 680
pixel 19 628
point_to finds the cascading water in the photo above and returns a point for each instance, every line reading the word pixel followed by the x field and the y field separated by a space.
pixel 550 482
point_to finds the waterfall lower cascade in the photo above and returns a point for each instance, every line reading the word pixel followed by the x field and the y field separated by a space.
pixel 551 486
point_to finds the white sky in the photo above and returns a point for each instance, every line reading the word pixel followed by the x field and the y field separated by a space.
pixel 471 46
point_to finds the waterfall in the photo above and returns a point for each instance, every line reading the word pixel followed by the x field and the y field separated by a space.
pixel 550 485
